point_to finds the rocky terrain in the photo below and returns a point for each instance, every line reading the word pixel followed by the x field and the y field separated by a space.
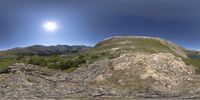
pixel 130 75
pixel 143 68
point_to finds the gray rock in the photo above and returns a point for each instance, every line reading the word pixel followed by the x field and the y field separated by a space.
pixel 130 75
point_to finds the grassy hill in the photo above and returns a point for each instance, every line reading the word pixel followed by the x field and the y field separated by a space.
pixel 123 44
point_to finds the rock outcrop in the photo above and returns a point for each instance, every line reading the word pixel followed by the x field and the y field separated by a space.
pixel 131 75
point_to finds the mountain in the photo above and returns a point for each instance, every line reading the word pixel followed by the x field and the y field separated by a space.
pixel 120 67
pixel 46 50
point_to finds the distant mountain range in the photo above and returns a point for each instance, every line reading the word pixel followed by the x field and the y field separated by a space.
pixel 46 50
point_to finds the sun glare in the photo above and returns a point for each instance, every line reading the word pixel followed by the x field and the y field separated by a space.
pixel 50 26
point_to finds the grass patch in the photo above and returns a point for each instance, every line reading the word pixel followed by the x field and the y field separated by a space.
pixel 6 62
pixel 134 45
pixel 194 62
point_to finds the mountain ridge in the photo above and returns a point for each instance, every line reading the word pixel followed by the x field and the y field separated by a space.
pixel 174 47
pixel 46 50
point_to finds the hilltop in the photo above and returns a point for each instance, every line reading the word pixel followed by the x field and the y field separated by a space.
pixel 140 44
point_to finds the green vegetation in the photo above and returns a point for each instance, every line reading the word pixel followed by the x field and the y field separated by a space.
pixel 6 62
pixel 134 45
pixel 36 60
pixel 63 62
pixel 193 59
pixel 194 62
pixel 57 62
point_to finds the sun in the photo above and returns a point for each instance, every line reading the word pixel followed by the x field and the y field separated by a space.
pixel 50 26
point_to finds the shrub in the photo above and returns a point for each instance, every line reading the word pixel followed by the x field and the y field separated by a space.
pixel 54 59
pixel 94 56
pixel 19 57
pixel 195 62
pixel 37 61
pixel 71 63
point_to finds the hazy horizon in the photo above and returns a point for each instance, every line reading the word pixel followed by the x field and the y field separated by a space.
pixel 69 22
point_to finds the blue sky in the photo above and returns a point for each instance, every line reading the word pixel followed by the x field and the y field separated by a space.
pixel 89 21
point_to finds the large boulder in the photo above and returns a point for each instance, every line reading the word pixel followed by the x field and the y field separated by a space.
pixel 160 74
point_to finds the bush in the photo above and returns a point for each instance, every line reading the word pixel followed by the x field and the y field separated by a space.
pixel 195 62
pixel 94 56
pixel 78 61
pixel 71 63
pixel 37 61
pixel 54 59
pixel 19 57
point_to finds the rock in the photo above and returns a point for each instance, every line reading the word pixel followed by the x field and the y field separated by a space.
pixel 130 75
pixel 4 70
pixel 160 74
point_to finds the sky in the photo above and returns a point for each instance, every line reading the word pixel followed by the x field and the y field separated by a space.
pixel 85 22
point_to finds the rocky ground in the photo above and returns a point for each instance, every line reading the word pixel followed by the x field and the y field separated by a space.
pixel 159 75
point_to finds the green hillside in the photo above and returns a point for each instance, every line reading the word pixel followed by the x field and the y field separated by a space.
pixel 131 44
